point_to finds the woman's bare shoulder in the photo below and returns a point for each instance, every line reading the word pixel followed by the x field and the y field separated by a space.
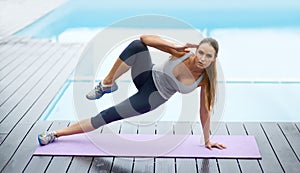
pixel 202 82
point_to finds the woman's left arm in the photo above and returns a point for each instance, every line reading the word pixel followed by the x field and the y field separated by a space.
pixel 205 121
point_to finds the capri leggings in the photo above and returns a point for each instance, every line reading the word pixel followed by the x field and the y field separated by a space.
pixel 146 99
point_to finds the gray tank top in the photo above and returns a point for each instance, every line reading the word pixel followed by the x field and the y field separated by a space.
pixel 165 81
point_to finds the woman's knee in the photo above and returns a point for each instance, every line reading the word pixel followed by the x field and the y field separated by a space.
pixel 135 47
pixel 138 46
pixel 105 117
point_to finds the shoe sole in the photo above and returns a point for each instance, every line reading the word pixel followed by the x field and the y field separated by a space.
pixel 40 141
pixel 105 92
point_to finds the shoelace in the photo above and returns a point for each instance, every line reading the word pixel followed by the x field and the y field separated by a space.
pixel 98 88
pixel 50 136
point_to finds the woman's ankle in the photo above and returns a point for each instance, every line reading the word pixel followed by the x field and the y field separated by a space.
pixel 107 82
pixel 56 134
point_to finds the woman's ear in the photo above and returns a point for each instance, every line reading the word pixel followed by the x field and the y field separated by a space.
pixel 214 59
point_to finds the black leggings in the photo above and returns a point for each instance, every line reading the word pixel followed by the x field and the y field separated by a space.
pixel 146 99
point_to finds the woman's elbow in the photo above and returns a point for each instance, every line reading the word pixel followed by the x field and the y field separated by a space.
pixel 147 39
pixel 204 112
pixel 144 38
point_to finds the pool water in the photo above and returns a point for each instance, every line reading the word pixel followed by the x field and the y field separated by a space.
pixel 245 102
pixel 258 40
pixel 204 15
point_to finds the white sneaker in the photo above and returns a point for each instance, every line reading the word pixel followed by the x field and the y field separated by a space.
pixel 100 90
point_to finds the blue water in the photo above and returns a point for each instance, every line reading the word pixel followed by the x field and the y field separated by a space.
pixel 199 14
pixel 245 102
pixel 263 82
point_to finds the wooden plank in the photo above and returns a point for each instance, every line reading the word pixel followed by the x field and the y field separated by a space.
pixel 16 79
pixel 284 152
pixel 125 164
pixel 298 126
pixel 291 133
pixel 10 39
pixel 184 164
pixel 53 88
pixel 164 127
pixel 164 164
pixel 11 50
pixel 182 128
pixel 18 56
pixel 32 115
pixel 101 164
pixel 2 136
pixel 22 74
pixel 246 165
pixel 41 162
pixel 11 143
pixel 80 164
pixel 147 128
pixel 6 48
pixel 114 127
pixel 57 75
pixel 204 165
pixel 12 57
pixel 21 154
pixel 104 164
pixel 59 164
pixel 29 85
pixel 269 162
pixel 207 165
pixel 145 165
pixel 226 165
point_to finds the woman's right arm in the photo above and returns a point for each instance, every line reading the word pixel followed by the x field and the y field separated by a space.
pixel 164 45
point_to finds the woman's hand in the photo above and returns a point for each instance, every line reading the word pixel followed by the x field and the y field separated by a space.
pixel 185 48
pixel 210 145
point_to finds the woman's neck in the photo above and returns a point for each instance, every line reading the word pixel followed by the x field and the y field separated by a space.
pixel 192 66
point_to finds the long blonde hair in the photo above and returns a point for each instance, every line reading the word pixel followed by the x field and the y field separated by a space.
pixel 210 80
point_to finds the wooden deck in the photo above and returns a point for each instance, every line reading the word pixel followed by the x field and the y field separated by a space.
pixel 17 14
pixel 33 71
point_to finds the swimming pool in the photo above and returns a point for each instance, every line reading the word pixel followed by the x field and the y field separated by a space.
pixel 259 50
pixel 202 15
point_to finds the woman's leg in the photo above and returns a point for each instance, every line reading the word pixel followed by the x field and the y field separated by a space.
pixel 82 126
pixel 136 56
pixel 145 100
pixel 119 68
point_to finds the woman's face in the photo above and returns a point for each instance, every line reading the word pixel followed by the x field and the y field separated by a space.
pixel 205 55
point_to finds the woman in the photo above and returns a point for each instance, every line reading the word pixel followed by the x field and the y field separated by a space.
pixel 183 73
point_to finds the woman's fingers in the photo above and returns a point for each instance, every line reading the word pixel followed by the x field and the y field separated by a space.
pixel 185 48
pixel 223 146
pixel 219 146
pixel 181 48
pixel 210 145
pixel 190 45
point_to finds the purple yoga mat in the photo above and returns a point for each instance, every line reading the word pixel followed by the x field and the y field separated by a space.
pixel 142 145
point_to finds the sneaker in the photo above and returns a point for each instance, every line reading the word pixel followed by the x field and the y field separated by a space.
pixel 100 90
pixel 46 138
